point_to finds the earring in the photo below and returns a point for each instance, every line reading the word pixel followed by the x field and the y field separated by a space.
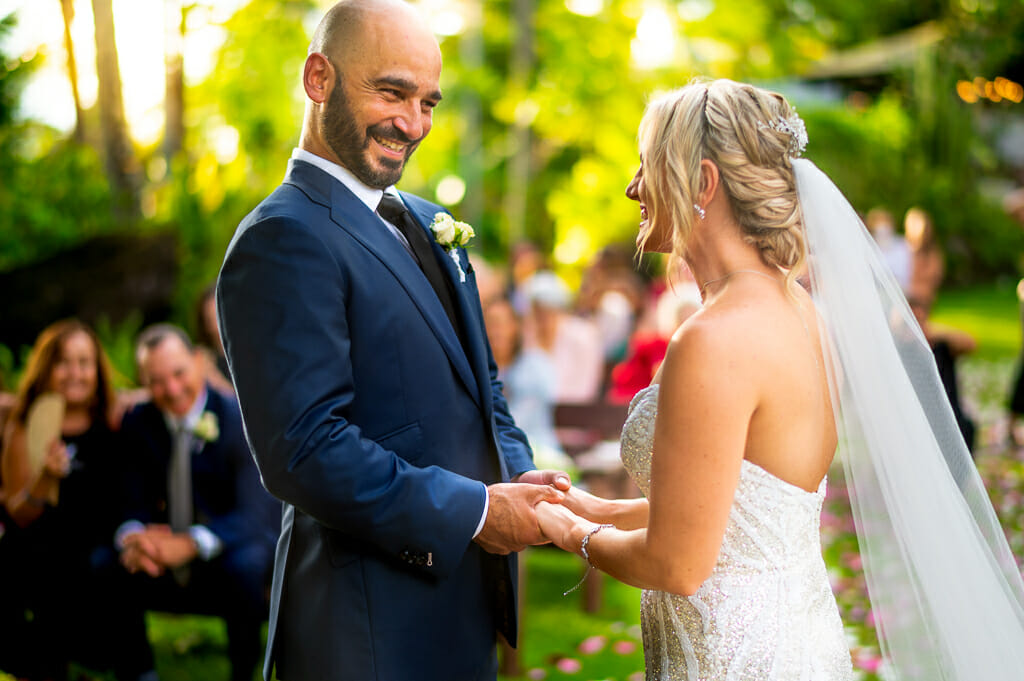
pixel 700 211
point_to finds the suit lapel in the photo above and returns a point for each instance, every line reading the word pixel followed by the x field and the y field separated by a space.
pixel 423 211
pixel 365 226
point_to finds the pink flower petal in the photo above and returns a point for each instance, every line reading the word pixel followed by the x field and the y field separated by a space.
pixel 592 644
pixel 568 665
pixel 624 647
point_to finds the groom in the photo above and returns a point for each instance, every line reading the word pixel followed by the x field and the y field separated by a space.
pixel 367 387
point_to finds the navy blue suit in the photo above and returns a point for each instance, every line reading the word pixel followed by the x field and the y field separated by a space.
pixel 230 501
pixel 379 430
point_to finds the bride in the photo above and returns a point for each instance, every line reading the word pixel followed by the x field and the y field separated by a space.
pixel 732 441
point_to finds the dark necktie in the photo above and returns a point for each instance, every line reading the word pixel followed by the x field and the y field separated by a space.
pixel 394 211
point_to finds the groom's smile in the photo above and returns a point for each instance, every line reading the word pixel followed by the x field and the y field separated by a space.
pixel 381 104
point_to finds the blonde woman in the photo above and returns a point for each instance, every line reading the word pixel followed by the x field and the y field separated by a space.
pixel 732 441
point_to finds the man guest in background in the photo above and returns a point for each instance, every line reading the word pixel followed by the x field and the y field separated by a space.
pixel 201 528
pixel 369 394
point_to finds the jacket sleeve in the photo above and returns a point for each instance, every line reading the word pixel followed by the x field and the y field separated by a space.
pixel 281 301
pixel 514 444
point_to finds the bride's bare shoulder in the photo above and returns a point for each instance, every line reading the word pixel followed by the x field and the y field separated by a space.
pixel 707 340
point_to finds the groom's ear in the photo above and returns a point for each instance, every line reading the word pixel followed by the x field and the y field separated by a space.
pixel 318 77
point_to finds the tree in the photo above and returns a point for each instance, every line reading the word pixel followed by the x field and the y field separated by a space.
pixel 122 166
pixel 68 10
pixel 174 75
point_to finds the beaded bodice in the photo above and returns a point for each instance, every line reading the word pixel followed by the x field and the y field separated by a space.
pixel 767 611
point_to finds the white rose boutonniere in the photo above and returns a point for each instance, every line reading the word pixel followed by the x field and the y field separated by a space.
pixel 451 234
pixel 207 428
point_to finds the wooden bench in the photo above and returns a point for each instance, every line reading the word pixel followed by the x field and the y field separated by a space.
pixel 589 434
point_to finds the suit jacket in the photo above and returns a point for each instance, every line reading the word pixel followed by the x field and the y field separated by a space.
pixel 228 497
pixel 378 430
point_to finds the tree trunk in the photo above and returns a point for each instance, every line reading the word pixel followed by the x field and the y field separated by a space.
pixel 517 174
pixel 174 66
pixel 122 167
pixel 68 9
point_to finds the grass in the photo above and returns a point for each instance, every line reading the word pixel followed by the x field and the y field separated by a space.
pixel 989 313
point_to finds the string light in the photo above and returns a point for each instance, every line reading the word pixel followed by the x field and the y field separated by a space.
pixel 972 91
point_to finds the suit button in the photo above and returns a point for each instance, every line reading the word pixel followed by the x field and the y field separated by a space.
pixel 405 556
pixel 421 559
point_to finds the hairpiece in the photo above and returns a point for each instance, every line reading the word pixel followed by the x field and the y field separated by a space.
pixel 794 127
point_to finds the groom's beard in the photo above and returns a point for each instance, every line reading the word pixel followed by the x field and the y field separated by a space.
pixel 351 145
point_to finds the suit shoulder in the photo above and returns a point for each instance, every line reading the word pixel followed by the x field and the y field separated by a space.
pixel 223 404
pixel 139 416
pixel 286 203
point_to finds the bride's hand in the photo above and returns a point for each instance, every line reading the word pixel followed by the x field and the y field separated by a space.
pixel 557 522
pixel 586 505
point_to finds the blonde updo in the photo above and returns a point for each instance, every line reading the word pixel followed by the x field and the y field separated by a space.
pixel 737 127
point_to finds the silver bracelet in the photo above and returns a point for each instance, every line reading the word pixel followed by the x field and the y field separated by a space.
pixel 586 555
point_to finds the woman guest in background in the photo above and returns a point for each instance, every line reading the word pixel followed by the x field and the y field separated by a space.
pixel 927 265
pixel 732 441
pixel 528 378
pixel 66 513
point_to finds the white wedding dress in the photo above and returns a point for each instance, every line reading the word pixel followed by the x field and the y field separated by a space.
pixel 767 612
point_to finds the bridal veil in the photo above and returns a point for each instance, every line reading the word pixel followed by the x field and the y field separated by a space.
pixel 946 592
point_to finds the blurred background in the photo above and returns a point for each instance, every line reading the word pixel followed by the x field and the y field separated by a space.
pixel 135 134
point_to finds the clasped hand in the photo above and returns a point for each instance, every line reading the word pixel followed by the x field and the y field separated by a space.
pixel 536 508
pixel 157 549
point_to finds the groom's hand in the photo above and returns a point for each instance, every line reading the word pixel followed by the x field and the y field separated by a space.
pixel 511 523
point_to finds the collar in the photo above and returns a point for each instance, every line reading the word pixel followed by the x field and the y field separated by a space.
pixel 191 418
pixel 368 195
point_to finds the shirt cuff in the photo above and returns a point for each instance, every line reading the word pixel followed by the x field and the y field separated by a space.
pixel 126 528
pixel 483 516
pixel 208 544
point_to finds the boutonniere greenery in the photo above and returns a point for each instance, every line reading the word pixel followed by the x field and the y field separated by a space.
pixel 451 234
pixel 207 428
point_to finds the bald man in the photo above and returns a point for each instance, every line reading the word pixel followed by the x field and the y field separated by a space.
pixel 369 394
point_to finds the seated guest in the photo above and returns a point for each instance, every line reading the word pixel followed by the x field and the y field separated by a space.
pixel 209 343
pixel 201 528
pixel 528 380
pixel 61 516
pixel 572 343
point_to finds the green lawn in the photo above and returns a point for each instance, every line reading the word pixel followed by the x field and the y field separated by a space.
pixel 989 313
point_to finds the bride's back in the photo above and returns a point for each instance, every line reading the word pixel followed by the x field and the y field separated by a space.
pixel 791 432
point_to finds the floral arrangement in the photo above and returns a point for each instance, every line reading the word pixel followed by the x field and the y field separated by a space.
pixel 451 234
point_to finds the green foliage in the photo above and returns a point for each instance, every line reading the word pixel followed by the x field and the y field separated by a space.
pixel 71 202
pixel 255 89
pixel 878 157
pixel 118 341
pixel 574 98
pixel 13 75
pixel 39 218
